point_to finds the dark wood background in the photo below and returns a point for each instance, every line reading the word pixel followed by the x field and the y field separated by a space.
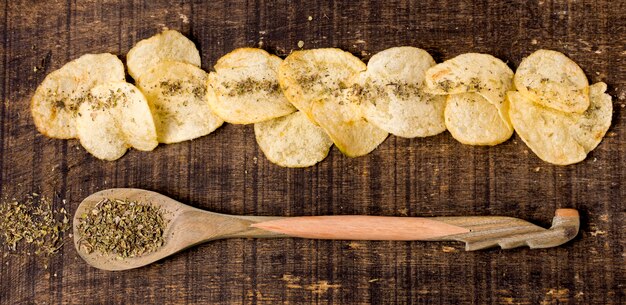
pixel 226 172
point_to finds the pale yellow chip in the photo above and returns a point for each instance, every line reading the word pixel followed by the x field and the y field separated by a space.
pixel 593 124
pixel 178 97
pixel 245 83
pixel 292 140
pixel 115 118
pixel 342 121
pixel 319 74
pixel 472 120
pixel 169 45
pixel 391 93
pixel 552 79
pixel 56 101
pixel 473 72
pixel 558 137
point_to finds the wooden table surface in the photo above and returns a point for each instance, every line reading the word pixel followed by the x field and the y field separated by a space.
pixel 226 172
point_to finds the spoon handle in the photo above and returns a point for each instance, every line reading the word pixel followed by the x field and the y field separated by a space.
pixel 477 232
pixel 352 227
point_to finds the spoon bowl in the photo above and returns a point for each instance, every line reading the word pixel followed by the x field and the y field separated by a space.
pixel 185 226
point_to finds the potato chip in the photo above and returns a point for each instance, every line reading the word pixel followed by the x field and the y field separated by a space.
pixel 472 120
pixel 473 72
pixel 342 121
pixel 115 118
pixel 177 93
pixel 558 137
pixel 246 87
pixel 57 99
pixel 168 45
pixel 552 79
pixel 392 96
pixel 593 124
pixel 310 75
pixel 292 140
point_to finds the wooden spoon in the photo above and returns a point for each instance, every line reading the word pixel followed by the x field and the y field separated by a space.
pixel 188 226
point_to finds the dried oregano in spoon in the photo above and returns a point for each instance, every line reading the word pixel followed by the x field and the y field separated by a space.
pixel 121 227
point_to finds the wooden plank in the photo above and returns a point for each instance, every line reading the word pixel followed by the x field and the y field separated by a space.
pixel 226 172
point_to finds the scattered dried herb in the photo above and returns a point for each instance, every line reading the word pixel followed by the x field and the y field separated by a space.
pixel 405 90
pixel 371 92
pixel 171 87
pixel 199 92
pixel 250 85
pixel 178 87
pixel 445 85
pixel 308 81
pixel 60 104
pixel 111 100
pixel 367 91
pixel 32 221
pixel 64 101
pixel 474 84
pixel 121 227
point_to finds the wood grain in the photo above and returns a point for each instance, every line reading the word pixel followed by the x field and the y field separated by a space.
pixel 226 172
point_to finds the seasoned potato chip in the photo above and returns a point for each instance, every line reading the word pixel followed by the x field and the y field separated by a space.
pixel 292 140
pixel 593 124
pixel 472 120
pixel 169 45
pixel 552 79
pixel 473 72
pixel 311 75
pixel 246 87
pixel 342 121
pixel 115 117
pixel 392 96
pixel 558 137
pixel 177 93
pixel 315 82
pixel 56 101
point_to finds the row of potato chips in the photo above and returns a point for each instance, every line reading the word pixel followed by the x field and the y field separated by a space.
pixel 89 98
pixel 313 99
